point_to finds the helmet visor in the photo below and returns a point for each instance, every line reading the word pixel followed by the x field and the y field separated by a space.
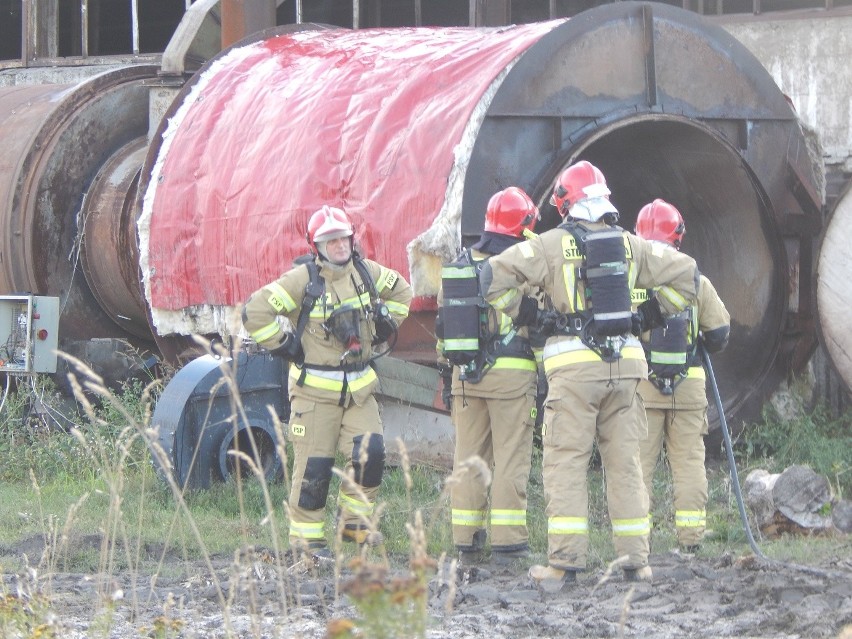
pixel 331 234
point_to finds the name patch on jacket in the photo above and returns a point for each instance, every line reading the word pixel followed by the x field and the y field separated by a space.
pixel 276 302
pixel 390 279
pixel 639 295
pixel 570 250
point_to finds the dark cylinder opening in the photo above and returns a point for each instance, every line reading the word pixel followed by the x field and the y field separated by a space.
pixel 231 465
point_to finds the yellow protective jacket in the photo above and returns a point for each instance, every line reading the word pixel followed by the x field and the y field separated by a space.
pixel 328 373
pixel 708 314
pixel 509 376
pixel 552 261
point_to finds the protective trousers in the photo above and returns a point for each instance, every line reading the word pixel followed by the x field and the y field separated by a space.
pixel 575 413
pixel 683 431
pixel 500 431
pixel 317 431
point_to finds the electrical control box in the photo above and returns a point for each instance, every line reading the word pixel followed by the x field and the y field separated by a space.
pixel 29 333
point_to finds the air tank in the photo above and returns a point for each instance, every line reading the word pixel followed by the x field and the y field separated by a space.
pixel 411 130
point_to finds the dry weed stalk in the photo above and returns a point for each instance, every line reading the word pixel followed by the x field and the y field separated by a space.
pixel 95 385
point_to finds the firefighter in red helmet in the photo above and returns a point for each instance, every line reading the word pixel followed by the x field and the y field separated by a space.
pixel 674 393
pixel 661 222
pixel 593 361
pixel 356 305
pixel 492 399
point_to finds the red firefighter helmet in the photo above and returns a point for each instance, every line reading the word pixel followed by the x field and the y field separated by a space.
pixel 510 212
pixel 660 221
pixel 582 183
pixel 329 223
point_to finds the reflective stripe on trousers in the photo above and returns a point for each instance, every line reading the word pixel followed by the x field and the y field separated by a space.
pixel 568 526
pixel 307 530
pixel 631 527
pixel 690 518
pixel 475 518
pixel 356 506
pixel 508 517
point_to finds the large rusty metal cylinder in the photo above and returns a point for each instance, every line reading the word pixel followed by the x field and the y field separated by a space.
pixel 71 161
pixel 412 131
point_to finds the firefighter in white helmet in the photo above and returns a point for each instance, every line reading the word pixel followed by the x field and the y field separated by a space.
pixel 593 361
pixel 358 305
pixel 492 399
pixel 674 393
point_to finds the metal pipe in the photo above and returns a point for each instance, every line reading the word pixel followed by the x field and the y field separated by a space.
pixel 26 40
pixel 84 28
pixel 134 25
pixel 241 18
pixel 51 22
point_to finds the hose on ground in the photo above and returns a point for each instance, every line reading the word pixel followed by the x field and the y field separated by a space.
pixel 729 449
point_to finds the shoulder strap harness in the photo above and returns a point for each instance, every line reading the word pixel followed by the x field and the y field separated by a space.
pixel 314 290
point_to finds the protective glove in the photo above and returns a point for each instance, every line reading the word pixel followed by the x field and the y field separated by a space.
pixel 527 312
pixel 386 327
pixel 446 373
pixel 715 340
pixel 548 321
pixel 648 315
pixel 288 348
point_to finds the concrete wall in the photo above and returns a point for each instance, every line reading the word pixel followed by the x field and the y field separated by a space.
pixel 810 61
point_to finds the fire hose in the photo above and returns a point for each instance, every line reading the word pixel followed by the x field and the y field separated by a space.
pixel 729 449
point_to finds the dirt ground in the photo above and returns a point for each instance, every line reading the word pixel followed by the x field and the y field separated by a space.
pixel 689 597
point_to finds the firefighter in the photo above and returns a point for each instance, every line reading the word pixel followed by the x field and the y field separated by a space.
pixel 493 407
pixel 358 305
pixel 674 393
pixel 588 266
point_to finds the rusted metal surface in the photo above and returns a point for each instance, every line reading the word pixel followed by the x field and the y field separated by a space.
pixel 23 111
pixel 110 253
pixel 56 139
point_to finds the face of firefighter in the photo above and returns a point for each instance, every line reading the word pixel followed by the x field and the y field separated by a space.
pixel 336 251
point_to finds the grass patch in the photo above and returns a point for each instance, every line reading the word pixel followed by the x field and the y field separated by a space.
pixel 811 437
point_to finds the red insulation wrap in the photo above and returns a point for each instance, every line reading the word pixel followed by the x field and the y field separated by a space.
pixel 270 131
